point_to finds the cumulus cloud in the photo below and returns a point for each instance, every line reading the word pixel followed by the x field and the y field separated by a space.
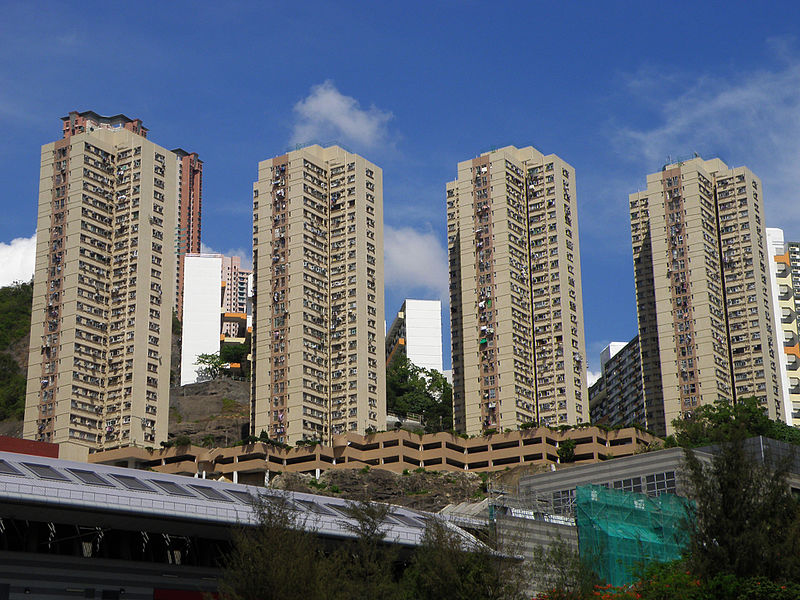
pixel 415 261
pixel 17 260
pixel 592 377
pixel 327 114
pixel 752 119
pixel 245 255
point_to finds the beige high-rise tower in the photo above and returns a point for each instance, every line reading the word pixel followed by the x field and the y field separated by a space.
pixel 516 307
pixel 99 364
pixel 318 315
pixel 703 293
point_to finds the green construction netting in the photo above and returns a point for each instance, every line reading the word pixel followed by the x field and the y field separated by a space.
pixel 620 531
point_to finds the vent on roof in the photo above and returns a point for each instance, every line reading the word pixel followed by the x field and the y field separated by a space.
pixel 45 472
pixel 173 489
pixel 7 469
pixel 133 484
pixel 90 477
pixel 210 493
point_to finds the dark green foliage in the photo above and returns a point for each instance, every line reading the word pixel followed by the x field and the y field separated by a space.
pixel 566 451
pixel 179 442
pixel 560 569
pixel 182 440
pixel 365 566
pixel 748 523
pixel 211 365
pixel 675 580
pixel 440 568
pixel 722 421
pixel 412 390
pixel 15 313
pixel 12 388
pixel 15 324
pixel 263 438
pixel 234 353
pixel 278 560
pixel 177 328
pixel 281 560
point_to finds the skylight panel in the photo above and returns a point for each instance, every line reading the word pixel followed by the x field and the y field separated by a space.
pixel 210 493
pixel 45 472
pixel 90 478
pixel 132 483
pixel 172 488
pixel 7 469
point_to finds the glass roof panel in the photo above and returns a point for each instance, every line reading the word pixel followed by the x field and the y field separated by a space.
pixel 7 469
pixel 133 484
pixel 45 472
pixel 210 493
pixel 172 488
pixel 90 477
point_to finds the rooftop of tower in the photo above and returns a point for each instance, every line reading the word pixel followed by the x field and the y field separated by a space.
pixel 76 122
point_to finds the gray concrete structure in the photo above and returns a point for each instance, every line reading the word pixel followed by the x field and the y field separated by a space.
pixel 88 530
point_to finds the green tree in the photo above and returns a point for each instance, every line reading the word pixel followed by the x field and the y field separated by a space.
pixel 12 388
pixel 723 421
pixel 444 567
pixel 439 413
pixel 177 328
pixel 210 365
pixel 234 353
pixel 410 389
pixel 15 324
pixel 559 569
pixel 405 388
pixel 364 567
pixel 566 451
pixel 277 560
pixel 747 522
pixel 15 313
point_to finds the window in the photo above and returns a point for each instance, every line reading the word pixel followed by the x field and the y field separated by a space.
pixel 660 483
pixel 634 484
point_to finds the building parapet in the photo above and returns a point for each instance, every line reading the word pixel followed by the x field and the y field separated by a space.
pixel 391 450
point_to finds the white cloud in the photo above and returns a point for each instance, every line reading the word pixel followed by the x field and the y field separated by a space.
pixel 245 255
pixel 326 114
pixel 592 377
pixel 415 261
pixel 17 260
pixel 752 119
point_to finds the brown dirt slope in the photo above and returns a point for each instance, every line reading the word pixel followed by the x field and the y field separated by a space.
pixel 420 490
pixel 215 413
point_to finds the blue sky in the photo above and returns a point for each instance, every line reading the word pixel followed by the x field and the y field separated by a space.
pixel 613 87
